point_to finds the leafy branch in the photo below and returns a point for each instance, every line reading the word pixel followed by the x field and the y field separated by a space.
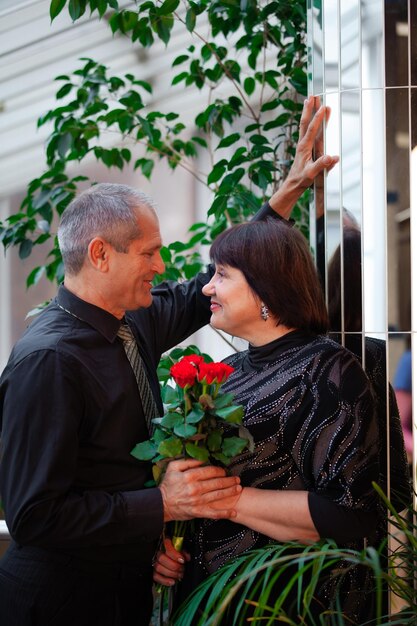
pixel 249 132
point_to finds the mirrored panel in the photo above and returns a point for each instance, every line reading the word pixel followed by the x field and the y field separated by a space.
pixel 344 279
pixel 325 213
pixel 317 52
pixel 374 211
pixel 376 354
pixel 413 203
pixel 371 197
pixel 333 145
pixel 413 42
pixel 413 118
pixel 400 376
pixel 331 46
pixel 398 209
pixel 351 151
pixel 372 47
pixel 396 43
pixel 310 47
pixel 350 52
pixel 343 224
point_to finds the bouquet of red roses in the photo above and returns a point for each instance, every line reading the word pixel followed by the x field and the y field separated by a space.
pixel 199 421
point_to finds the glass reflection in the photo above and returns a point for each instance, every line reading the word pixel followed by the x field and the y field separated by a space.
pixel 372 48
pixel 400 376
pixel 331 35
pixel 396 42
pixel 350 44
pixel 413 118
pixel 344 279
pixel 363 241
pixel 413 42
pixel 374 211
pixel 351 175
pixel 317 54
pixel 324 210
pixel 398 213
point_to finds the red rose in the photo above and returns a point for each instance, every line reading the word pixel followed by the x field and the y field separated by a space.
pixel 184 373
pixel 194 359
pixel 214 372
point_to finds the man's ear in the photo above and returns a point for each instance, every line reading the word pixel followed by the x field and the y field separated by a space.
pixel 98 254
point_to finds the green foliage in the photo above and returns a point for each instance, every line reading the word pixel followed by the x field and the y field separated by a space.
pixel 199 419
pixel 245 587
pixel 249 57
pixel 401 573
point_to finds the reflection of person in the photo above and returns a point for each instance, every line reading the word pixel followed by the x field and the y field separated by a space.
pixel 308 405
pixel 345 313
pixel 345 298
pixel 345 305
pixel 402 386
pixel 84 527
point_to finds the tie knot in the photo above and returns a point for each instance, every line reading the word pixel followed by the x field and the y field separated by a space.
pixel 125 333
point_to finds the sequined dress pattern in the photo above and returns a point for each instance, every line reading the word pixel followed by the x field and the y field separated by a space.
pixel 309 408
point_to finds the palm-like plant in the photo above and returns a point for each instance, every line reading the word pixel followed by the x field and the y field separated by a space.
pixel 245 590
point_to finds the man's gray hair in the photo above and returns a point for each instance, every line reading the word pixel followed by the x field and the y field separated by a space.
pixel 105 210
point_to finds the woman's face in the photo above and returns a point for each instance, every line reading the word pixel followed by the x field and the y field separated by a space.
pixel 234 307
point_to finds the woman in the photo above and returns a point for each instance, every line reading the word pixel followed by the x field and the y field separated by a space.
pixel 308 406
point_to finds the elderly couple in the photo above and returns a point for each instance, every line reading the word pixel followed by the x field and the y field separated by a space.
pixel 84 525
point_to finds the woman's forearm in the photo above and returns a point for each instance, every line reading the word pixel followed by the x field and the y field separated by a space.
pixel 281 515
pixel 284 199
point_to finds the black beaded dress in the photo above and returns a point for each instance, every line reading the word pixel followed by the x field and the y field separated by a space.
pixel 310 410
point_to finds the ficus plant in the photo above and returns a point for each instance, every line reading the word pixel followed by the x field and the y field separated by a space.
pixel 255 52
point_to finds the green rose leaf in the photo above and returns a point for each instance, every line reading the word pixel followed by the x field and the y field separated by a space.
pixel 172 419
pixel 185 430
pixel 233 446
pixel 214 440
pixel 170 447
pixel 231 414
pixel 195 415
pixel 222 458
pixel 201 454
pixel 158 436
pixel 144 451
pixel 169 394
pixel 223 400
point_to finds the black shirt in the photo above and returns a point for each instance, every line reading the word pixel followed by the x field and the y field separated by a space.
pixel 70 413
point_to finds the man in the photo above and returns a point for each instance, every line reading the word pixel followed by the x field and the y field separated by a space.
pixel 83 523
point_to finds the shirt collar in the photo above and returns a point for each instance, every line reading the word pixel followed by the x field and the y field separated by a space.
pixel 104 322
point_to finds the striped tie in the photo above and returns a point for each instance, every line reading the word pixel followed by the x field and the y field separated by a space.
pixel 150 409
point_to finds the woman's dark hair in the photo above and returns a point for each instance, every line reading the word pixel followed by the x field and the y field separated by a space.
pixel 277 264
pixel 351 301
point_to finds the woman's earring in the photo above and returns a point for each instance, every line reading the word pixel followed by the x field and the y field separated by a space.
pixel 264 312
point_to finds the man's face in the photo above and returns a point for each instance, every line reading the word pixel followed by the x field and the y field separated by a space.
pixel 132 272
